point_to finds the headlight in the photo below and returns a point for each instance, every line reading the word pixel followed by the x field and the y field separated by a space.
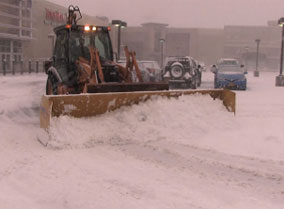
pixel 87 28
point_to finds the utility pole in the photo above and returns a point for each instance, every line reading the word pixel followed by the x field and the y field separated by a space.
pixel 280 77
pixel 162 41
pixel 256 72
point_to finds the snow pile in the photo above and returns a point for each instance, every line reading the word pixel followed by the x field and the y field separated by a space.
pixel 183 119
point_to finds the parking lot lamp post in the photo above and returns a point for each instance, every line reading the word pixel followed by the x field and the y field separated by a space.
pixel 119 24
pixel 256 72
pixel 246 58
pixel 162 41
pixel 280 77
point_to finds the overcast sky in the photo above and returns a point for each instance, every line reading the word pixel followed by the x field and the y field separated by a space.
pixel 184 13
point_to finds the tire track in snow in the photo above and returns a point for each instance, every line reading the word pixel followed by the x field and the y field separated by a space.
pixel 256 176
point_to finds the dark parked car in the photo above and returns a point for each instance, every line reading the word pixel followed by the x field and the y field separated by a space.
pixel 150 70
pixel 182 72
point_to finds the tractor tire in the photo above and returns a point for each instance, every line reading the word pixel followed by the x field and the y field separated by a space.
pixel 176 71
pixel 51 85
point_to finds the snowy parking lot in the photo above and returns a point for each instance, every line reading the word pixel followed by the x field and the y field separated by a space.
pixel 185 153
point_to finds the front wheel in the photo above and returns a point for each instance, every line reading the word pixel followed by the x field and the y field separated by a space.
pixel 51 85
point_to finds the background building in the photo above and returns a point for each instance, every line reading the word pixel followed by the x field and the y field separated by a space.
pixel 46 16
pixel 203 44
pixel 26 33
pixel 15 30
pixel 206 45
pixel 240 43
pixel 26 30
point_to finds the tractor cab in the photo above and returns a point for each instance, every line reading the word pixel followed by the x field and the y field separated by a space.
pixel 74 42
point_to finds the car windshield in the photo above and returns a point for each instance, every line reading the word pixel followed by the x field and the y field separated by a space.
pixel 228 62
pixel 143 65
pixel 230 69
pixel 153 65
pixel 80 42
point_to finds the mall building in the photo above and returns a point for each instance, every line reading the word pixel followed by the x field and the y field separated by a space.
pixel 26 33
pixel 15 29
pixel 154 41
pixel 207 45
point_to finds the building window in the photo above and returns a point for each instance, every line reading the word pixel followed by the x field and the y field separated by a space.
pixel 17 47
pixel 9 10
pixel 12 2
pixel 26 13
pixel 26 24
pixel 29 3
pixel 5 45
pixel 26 33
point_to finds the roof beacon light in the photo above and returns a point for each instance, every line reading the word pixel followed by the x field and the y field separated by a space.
pixel 87 28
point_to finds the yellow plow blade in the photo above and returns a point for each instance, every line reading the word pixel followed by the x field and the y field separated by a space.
pixel 86 105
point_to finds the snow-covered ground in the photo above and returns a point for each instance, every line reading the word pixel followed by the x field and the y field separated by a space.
pixel 188 153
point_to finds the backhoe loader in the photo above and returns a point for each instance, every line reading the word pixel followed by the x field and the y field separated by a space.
pixel 83 79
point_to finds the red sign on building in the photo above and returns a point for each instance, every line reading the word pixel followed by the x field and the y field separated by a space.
pixel 54 17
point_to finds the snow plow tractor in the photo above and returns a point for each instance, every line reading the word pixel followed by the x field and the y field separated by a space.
pixel 84 80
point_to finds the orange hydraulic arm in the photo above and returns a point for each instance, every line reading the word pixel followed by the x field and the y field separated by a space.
pixel 131 62
pixel 90 71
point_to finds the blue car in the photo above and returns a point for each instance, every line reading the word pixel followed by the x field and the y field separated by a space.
pixel 229 74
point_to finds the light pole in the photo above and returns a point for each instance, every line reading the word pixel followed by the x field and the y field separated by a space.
pixel 119 24
pixel 162 41
pixel 256 72
pixel 246 57
pixel 280 77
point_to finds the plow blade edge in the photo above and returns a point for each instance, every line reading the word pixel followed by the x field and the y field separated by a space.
pixel 86 105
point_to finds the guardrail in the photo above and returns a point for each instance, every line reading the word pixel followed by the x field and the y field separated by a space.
pixel 22 67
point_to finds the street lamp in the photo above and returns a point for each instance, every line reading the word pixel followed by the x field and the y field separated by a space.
pixel 280 77
pixel 119 24
pixel 246 57
pixel 256 72
pixel 162 41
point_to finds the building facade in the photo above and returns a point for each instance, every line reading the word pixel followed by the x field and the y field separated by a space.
pixel 26 31
pixel 154 41
pixel 240 43
pixel 15 29
pixel 206 45
pixel 46 16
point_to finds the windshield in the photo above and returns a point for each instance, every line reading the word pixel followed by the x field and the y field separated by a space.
pixel 151 65
pixel 230 69
pixel 80 42
pixel 228 62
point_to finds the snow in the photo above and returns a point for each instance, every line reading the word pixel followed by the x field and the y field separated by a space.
pixel 179 153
